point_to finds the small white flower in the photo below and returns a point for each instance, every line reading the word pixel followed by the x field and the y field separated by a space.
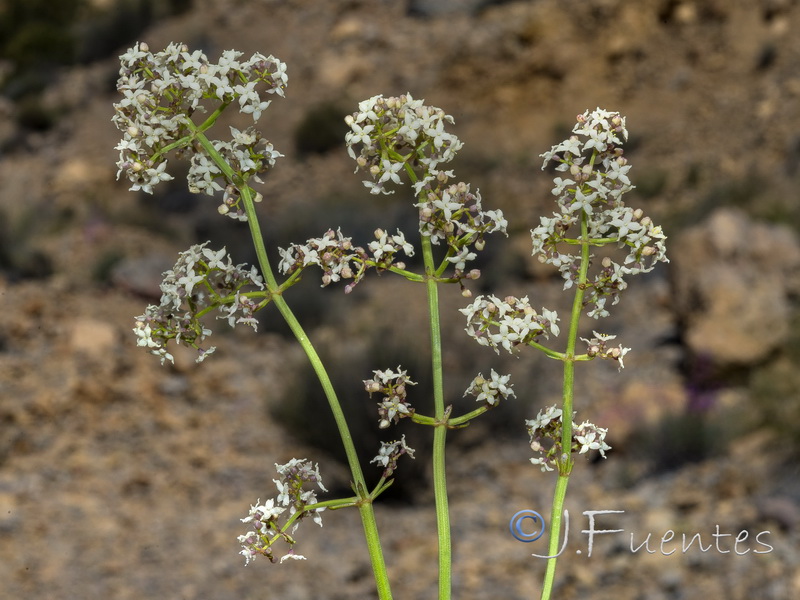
pixel 292 556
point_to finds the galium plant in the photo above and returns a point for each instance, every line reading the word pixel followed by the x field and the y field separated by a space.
pixel 400 143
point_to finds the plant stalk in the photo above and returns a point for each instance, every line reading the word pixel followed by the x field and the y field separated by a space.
pixel 565 462
pixel 365 507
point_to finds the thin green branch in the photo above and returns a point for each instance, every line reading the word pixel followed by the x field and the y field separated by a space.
pixel 365 505
pixel 565 462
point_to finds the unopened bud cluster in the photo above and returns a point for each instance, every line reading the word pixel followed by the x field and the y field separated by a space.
pixel 264 518
pixel 545 433
pixel 392 386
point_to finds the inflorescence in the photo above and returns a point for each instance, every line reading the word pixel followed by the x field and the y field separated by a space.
pixel 162 91
pixel 201 280
pixel 292 495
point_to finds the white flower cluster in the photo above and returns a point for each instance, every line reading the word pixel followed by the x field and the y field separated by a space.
pixel 398 131
pixel 451 212
pixel 588 436
pixel 491 390
pixel 597 178
pixel 386 246
pixel 508 323
pixel 339 259
pixel 598 346
pixel 546 427
pixel 333 253
pixel 247 153
pixel 389 136
pixel 263 518
pixel 389 453
pixel 200 280
pixel 160 93
pixel 392 385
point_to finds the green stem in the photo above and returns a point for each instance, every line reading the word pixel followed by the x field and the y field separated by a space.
pixel 555 529
pixel 365 502
pixel 565 461
pixel 440 432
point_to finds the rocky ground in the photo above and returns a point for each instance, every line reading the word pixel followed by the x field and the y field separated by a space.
pixel 120 478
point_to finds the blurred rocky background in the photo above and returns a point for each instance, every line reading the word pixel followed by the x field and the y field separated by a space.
pixel 123 479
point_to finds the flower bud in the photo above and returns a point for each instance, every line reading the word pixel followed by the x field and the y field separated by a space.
pixel 466 293
pixel 606 262
pixel 480 245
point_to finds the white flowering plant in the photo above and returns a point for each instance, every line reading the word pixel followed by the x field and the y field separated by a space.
pixel 397 141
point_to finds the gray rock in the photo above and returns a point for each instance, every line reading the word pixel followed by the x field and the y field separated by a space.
pixel 732 280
